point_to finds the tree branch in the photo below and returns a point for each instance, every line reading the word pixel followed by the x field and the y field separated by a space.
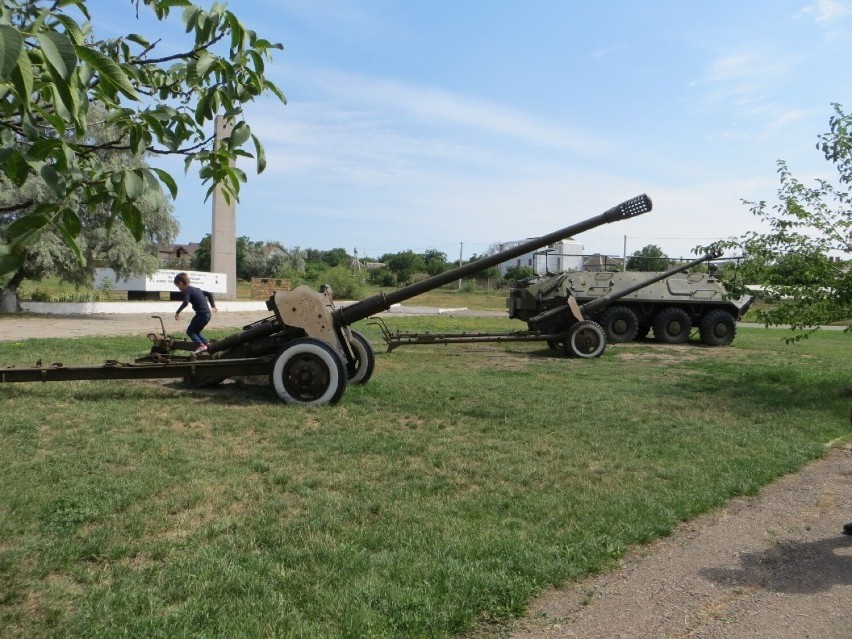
pixel 177 56
pixel 11 208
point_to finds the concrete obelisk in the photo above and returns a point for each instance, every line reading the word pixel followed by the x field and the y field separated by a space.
pixel 223 238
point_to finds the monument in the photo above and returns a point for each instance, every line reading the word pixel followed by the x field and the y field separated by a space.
pixel 223 237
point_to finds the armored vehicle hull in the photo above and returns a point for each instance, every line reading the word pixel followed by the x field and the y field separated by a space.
pixel 671 308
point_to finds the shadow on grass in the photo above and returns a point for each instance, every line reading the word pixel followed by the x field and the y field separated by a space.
pixel 770 389
pixel 229 392
pixel 791 567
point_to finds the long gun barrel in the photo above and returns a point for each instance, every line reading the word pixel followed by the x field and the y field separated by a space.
pixel 370 306
pixel 604 300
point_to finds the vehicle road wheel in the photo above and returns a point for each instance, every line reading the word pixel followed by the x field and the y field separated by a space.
pixel 620 324
pixel 308 372
pixel 361 369
pixel 584 339
pixel 718 328
pixel 672 326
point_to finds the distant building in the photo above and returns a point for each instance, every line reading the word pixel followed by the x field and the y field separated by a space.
pixel 599 262
pixel 565 255
pixel 175 253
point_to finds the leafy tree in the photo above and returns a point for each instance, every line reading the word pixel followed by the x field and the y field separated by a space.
pixel 381 277
pixel 806 225
pixel 517 273
pixel 648 258
pixel 97 242
pixel 253 260
pixel 404 265
pixel 203 256
pixel 492 272
pixel 53 69
pixel 344 283
pixel 333 257
pixel 435 261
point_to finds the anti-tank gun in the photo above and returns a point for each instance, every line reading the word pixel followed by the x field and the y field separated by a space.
pixel 568 324
pixel 307 347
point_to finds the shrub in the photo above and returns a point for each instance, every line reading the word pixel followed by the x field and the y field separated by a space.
pixel 344 284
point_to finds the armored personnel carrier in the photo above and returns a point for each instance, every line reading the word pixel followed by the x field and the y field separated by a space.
pixel 671 307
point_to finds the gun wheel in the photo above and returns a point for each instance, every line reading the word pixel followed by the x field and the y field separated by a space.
pixel 308 372
pixel 360 370
pixel 584 339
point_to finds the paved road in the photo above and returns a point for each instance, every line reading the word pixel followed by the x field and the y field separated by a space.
pixel 27 326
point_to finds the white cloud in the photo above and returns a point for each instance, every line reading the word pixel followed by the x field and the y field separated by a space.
pixel 829 11
pixel 435 107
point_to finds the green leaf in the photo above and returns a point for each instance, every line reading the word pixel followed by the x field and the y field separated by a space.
pixel 51 178
pixel 205 61
pixel 59 52
pixel 138 39
pixel 71 241
pixel 239 135
pixel 132 217
pixel 11 262
pixel 269 86
pixel 133 184
pixel 71 28
pixel 17 169
pixel 26 230
pixel 71 221
pixel 11 45
pixel 168 180
pixel 261 154
pixel 108 71
pixel 62 101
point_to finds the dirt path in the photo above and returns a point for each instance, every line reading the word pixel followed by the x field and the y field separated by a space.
pixel 774 566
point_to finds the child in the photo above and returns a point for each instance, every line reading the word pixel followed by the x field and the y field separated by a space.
pixel 195 296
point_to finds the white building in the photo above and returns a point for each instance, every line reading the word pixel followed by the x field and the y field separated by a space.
pixel 565 255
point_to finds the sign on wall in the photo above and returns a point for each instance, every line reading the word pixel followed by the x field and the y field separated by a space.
pixel 163 280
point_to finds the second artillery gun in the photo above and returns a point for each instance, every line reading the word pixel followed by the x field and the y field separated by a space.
pixel 307 347
pixel 563 321
pixel 636 302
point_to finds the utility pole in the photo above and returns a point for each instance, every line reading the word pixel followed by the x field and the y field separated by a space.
pixel 461 250
pixel 624 256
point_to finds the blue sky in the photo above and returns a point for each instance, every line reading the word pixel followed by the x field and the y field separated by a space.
pixel 415 125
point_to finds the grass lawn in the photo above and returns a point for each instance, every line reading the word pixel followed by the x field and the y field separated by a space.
pixel 442 495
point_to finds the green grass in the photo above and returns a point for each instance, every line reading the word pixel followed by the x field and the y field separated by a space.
pixel 444 494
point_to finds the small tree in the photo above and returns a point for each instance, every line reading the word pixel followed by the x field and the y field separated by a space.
pixel 806 225
pixel 648 258
pixel 53 69
pixel 516 273
pixel 403 265
pixel 435 261
pixel 98 242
